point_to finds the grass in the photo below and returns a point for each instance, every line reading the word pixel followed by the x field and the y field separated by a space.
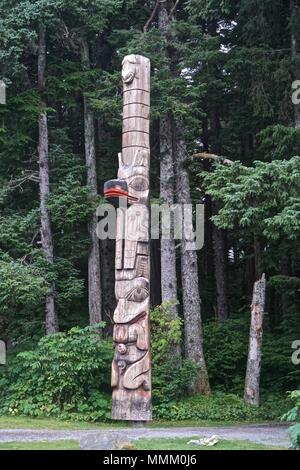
pixel 203 423
pixel 22 422
pixel 40 445
pixel 141 444
pixel 182 444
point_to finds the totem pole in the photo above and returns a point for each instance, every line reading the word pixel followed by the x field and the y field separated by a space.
pixel 131 367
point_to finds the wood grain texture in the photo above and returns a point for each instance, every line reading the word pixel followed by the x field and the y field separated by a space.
pixel 131 367
pixel 251 393
pixel 51 320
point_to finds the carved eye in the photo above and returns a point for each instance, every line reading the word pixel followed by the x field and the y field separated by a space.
pixel 139 184
pixel 122 348
pixel 122 364
pixel 139 294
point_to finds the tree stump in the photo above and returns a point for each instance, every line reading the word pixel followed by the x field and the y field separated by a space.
pixel 251 394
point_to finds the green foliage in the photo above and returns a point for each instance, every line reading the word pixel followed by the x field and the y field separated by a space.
pixel 67 374
pixel 16 232
pixel 293 415
pixel 226 352
pixel 171 380
pixel 170 377
pixel 225 69
pixel 226 349
pixel 279 142
pixel 20 285
pixel 166 332
pixel 219 407
pixel 261 199
pixel 71 204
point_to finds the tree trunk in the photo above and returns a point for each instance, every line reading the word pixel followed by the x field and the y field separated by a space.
pixel 257 258
pixel 251 394
pixel 155 275
pixel 294 4
pixel 219 246
pixel 220 269
pixel 94 279
pixel 208 280
pixel 167 247
pixel 107 255
pixel 167 182
pixel 189 273
pixel 51 321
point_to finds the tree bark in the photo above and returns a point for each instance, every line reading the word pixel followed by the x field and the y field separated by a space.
pixel 51 320
pixel 257 258
pixel 107 256
pixel 167 177
pixel 251 394
pixel 167 196
pixel 107 247
pixel 189 268
pixel 189 272
pixel 212 156
pixel 219 246
pixel 167 247
pixel 94 277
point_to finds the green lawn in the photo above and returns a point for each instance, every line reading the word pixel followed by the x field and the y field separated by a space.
pixel 40 445
pixel 23 422
pixel 181 444
pixel 19 422
pixel 199 423
pixel 140 444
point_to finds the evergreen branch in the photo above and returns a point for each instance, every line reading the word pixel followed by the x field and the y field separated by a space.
pixel 70 38
pixel 149 21
pixel 212 156
pixel 173 9
pixel 18 183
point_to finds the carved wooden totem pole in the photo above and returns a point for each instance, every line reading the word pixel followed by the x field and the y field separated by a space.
pixel 131 368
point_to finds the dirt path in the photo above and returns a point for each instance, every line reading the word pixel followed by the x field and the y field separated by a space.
pixel 275 435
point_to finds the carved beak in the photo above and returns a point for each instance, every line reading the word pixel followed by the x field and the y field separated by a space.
pixel 114 189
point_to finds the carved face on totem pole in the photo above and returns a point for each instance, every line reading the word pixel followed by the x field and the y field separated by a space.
pixel 131 379
pixel 129 69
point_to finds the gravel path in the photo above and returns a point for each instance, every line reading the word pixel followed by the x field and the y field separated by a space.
pixel 275 435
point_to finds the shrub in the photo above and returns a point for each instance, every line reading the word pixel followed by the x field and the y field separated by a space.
pixel 20 286
pixel 67 374
pixel 293 415
pixel 171 381
pixel 226 350
pixel 166 333
pixel 219 407
pixel 170 377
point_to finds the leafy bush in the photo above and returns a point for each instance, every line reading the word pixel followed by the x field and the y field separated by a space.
pixel 226 350
pixel 20 285
pixel 219 407
pixel 171 377
pixel 71 204
pixel 171 380
pixel 293 415
pixel 67 374
pixel 166 332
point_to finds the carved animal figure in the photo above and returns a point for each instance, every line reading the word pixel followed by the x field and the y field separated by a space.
pixel 131 366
